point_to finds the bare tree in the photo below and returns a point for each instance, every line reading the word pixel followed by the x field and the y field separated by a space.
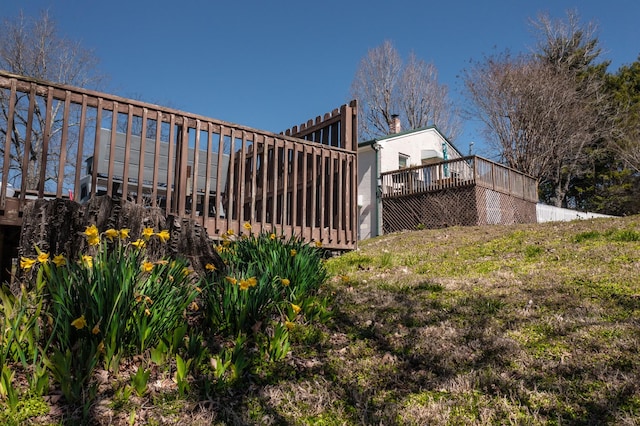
pixel 566 44
pixel 374 86
pixel 385 87
pixel 541 111
pixel 424 101
pixel 33 48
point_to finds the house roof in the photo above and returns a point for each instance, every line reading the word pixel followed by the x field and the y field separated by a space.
pixel 407 132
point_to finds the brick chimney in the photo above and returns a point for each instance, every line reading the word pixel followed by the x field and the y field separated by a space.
pixel 395 126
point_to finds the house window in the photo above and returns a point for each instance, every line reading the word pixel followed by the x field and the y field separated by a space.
pixel 403 161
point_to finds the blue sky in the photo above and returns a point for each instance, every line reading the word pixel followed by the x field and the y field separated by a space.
pixel 274 64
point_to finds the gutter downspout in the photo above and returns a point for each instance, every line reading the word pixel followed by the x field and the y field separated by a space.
pixel 378 215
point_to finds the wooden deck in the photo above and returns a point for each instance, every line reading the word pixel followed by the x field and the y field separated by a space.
pixel 80 143
pixel 467 191
pixel 461 172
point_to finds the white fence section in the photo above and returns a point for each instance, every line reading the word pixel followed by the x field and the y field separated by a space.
pixel 547 213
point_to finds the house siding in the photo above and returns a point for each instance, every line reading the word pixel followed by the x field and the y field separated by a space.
pixel 410 144
pixel 367 207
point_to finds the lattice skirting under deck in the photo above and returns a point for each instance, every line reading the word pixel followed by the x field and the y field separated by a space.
pixel 467 206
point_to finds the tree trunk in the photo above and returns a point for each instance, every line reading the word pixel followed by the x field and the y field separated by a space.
pixel 57 227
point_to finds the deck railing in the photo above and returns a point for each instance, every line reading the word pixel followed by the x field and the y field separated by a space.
pixel 59 141
pixel 472 170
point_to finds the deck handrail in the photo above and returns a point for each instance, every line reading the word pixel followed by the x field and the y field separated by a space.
pixel 470 170
pixel 155 155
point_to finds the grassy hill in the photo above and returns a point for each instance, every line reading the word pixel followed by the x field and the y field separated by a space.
pixel 523 324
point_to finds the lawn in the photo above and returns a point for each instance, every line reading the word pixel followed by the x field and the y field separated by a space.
pixel 522 324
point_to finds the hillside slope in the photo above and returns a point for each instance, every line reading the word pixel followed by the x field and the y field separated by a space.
pixel 523 324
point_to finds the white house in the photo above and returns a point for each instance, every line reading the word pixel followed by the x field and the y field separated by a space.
pixel 392 152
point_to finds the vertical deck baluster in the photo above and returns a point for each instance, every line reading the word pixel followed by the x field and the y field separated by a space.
pixel 264 168
pixel 341 197
pixel 171 208
pixel 231 180
pixel 96 147
pixel 304 186
pixel 285 186
pixel 27 143
pixel 45 142
pixel 141 153
pixel 195 171
pixel 127 153
pixel 241 179
pixel 219 206
pixel 7 147
pixel 80 147
pixel 156 161
pixel 63 143
pixel 274 192
pixel 181 166
pixel 323 187
pixel 294 191
pixel 112 148
pixel 254 172
pixel 207 173
pixel 314 201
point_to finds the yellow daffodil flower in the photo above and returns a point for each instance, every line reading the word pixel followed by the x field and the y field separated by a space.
pixel 230 232
pixel 93 241
pixel 272 236
pixel 124 233
pixel 147 312
pixel 293 252
pixel 247 226
pixel 296 308
pixel 87 260
pixel 147 266
pixel 244 285
pixel 148 300
pixel 162 262
pixel 289 325
pixel 79 323
pixel 147 233
pixel 318 243
pixel 111 233
pixel 138 243
pixel 26 263
pixel 194 306
pixel 231 280
pixel 163 235
pixel 43 257
pixel 59 260
pixel 285 281
pixel 186 271
pixel 252 281
pixel 91 231
pixel 210 267
pixel 96 329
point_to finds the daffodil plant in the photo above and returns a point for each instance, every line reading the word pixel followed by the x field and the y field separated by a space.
pixel 109 303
